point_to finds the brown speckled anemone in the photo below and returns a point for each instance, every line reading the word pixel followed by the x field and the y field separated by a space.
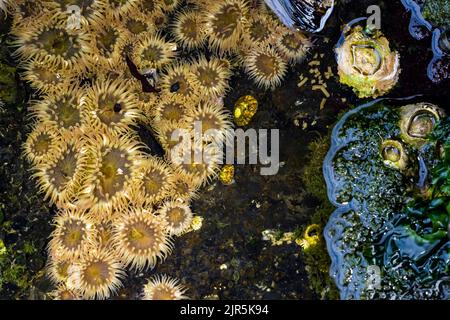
pixel 110 174
pixel 107 45
pixel 73 235
pixel 112 105
pixel 211 76
pixel 151 51
pixel 57 269
pixel 261 30
pixel 42 144
pixel 177 215
pixel 62 292
pixel 155 182
pixel 162 287
pixel 171 110
pixel 138 24
pixel 51 43
pixel 141 239
pixel 43 78
pixel 63 111
pixel 266 67
pixel 116 8
pixel 97 275
pixel 60 178
pixel 211 116
pixel 178 80
pixel 225 22
pixel 189 30
pixel 293 45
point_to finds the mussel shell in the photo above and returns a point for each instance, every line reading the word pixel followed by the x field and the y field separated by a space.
pixel 307 15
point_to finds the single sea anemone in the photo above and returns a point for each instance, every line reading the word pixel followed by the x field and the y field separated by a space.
pixel 261 30
pixel 25 13
pixel 141 238
pixel 112 105
pixel 166 133
pixel 211 76
pixel 110 174
pixel 97 274
pixel 225 22
pixel 177 215
pixel 116 8
pixel 51 43
pixel 60 178
pixel 155 182
pixel 63 111
pixel 42 144
pixel 151 51
pixel 168 5
pixel 43 78
pixel 171 109
pixel 189 30
pixel 83 10
pixel 73 235
pixel 293 45
pixel 138 25
pixel 265 66
pixel 62 292
pixel 178 80
pixel 185 187
pixel 57 268
pixel 162 287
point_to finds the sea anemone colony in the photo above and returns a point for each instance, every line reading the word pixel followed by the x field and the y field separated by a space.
pixel 366 62
pixel 383 245
pixel 103 74
pixel 432 16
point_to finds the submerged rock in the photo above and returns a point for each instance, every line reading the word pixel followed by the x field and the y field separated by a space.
pixel 380 244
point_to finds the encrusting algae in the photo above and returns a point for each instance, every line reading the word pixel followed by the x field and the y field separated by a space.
pixel 121 66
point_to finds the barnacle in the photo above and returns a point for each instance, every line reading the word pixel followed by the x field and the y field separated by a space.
pixel 177 215
pixel 225 22
pixel 156 181
pixel 211 76
pixel 60 178
pixel 73 234
pixel 141 238
pixel 151 51
pixel 162 287
pixel 110 174
pixel 265 66
pixel 98 274
pixel 189 30
pixel 112 105
pixel 366 63
pixel 42 144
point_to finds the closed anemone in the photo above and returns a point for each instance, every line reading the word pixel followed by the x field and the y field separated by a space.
pixel 110 174
pixel 189 30
pixel 177 215
pixel 63 111
pixel 155 182
pixel 211 76
pixel 225 22
pixel 44 79
pixel 51 43
pixel 178 80
pixel 151 51
pixel 112 105
pixel 141 239
pixel 266 67
pixel 42 144
pixel 294 45
pixel 162 287
pixel 98 274
pixel 73 235
pixel 60 178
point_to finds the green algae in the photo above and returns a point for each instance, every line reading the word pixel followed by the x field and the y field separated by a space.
pixel 437 12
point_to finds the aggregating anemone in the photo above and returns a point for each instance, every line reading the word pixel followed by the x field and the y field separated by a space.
pixel 119 205
pixel 382 245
